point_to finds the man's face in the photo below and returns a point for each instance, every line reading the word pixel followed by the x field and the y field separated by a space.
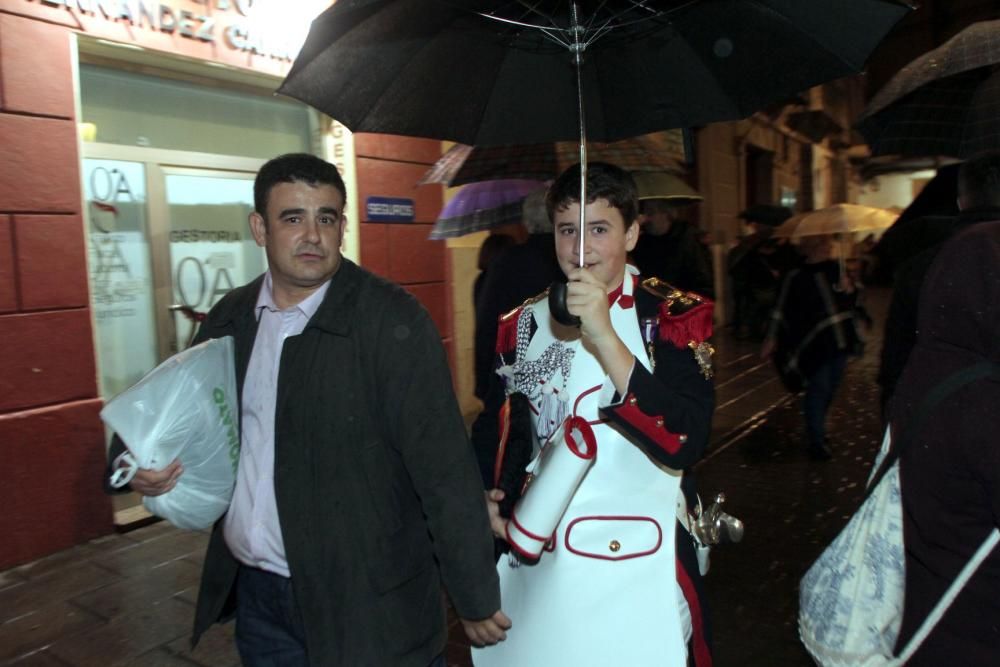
pixel 656 218
pixel 607 244
pixel 301 235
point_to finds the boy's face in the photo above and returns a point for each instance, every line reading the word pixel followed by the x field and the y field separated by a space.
pixel 608 240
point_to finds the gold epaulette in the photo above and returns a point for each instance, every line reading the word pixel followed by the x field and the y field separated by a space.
pixel 678 301
pixel 512 314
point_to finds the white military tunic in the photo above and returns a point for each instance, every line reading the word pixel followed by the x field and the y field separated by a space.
pixel 606 594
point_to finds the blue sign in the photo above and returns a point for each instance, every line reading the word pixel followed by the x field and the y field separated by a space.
pixel 389 209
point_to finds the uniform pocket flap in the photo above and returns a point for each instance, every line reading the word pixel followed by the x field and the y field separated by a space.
pixel 614 537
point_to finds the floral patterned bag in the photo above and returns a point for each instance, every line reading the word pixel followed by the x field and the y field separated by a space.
pixel 851 599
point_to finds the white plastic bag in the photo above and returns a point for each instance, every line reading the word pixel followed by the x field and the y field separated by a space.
pixel 185 408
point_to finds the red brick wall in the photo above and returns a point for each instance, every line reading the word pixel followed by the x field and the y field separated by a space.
pixel 51 438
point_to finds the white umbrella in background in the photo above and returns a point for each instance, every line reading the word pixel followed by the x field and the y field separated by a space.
pixel 839 219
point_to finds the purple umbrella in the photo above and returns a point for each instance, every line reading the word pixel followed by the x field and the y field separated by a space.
pixel 483 205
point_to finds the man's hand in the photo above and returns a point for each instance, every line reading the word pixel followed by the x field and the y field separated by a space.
pixel 488 631
pixel 156 482
pixel 498 524
pixel 767 349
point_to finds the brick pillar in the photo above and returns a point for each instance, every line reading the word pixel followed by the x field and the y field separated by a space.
pixel 390 166
pixel 51 438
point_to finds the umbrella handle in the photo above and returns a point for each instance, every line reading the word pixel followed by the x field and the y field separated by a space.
pixel 557 305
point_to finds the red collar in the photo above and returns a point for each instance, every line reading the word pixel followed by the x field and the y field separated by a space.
pixel 623 300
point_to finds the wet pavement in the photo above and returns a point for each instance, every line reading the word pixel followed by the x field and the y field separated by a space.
pixel 128 599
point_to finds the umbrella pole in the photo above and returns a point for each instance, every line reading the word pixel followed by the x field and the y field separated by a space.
pixel 558 290
pixel 577 49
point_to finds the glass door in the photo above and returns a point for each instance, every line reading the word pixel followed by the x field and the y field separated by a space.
pixel 165 229
pixel 210 246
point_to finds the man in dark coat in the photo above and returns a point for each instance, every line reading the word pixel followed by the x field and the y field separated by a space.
pixel 357 494
pixel 669 249
pixel 978 202
pixel 757 265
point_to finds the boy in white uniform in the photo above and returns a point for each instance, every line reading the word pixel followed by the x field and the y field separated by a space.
pixel 617 583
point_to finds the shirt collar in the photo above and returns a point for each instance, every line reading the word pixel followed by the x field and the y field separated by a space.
pixel 307 306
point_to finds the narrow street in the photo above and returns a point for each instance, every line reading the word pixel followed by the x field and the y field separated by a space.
pixel 128 599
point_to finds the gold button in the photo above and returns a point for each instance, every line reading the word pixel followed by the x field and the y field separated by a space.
pixel 632 401
pixel 615 546
pixel 682 438
pixel 659 423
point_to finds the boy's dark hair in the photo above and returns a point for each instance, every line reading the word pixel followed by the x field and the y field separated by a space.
pixel 604 181
pixel 979 180
pixel 291 168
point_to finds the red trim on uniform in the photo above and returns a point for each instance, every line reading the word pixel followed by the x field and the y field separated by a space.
pixel 581 425
pixel 504 418
pixel 647 425
pixel 692 325
pixel 513 518
pixel 507 333
pixel 702 655
pixel 520 550
pixel 576 403
pixel 640 554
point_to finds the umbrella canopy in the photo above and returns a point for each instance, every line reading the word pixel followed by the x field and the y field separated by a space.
pixel 665 185
pixel 485 205
pixel 839 219
pixel 469 164
pixel 486 72
pixel 771 215
pixel 943 103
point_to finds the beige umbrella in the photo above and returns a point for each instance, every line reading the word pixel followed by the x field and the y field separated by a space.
pixel 665 185
pixel 839 219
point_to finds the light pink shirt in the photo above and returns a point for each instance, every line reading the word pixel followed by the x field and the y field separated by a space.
pixel 251 528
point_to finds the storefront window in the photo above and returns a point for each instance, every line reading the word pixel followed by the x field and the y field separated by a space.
pixel 121 280
pixel 138 110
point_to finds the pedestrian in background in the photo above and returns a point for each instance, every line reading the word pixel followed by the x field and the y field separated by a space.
pixel 756 266
pixel 950 466
pixel 668 248
pixel 518 273
pixel 978 201
pixel 812 332
pixel 492 246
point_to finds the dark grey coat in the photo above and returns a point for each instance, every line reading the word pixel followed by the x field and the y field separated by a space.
pixel 377 489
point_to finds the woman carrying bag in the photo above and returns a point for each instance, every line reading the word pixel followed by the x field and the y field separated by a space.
pixel 950 469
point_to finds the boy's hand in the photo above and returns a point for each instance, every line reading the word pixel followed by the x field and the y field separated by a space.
pixel 587 298
pixel 488 631
pixel 498 524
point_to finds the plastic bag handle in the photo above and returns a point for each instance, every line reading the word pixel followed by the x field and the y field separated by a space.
pixel 125 467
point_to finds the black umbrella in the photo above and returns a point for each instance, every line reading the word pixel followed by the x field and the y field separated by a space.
pixel 493 72
pixel 943 103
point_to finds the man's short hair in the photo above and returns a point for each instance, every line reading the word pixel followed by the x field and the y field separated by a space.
pixel 604 181
pixel 979 181
pixel 534 214
pixel 292 168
